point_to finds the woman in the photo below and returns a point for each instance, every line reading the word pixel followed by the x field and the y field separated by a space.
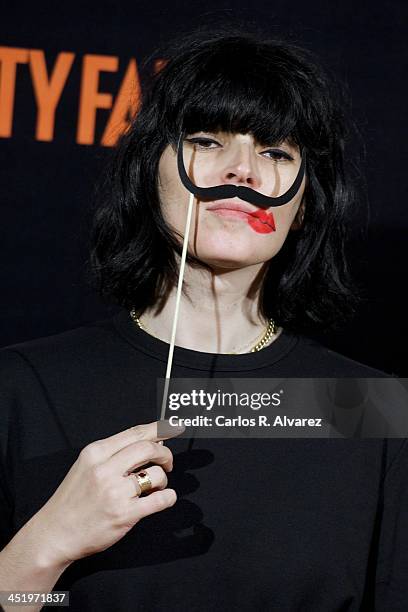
pixel 281 524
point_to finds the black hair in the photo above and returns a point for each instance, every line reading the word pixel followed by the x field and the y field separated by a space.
pixel 238 82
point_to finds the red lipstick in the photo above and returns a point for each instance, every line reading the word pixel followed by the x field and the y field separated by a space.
pixel 262 222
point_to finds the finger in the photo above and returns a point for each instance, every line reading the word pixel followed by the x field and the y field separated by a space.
pixel 138 454
pixel 154 502
pixel 157 477
pixel 106 447
pixel 158 431
pixel 132 485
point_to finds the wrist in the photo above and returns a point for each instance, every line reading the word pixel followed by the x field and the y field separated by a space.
pixel 45 549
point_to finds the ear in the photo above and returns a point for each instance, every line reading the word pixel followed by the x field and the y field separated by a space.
pixel 298 220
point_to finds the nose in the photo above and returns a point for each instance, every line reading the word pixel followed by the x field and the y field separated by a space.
pixel 241 168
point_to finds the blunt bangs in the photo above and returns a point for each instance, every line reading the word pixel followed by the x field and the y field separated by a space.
pixel 231 91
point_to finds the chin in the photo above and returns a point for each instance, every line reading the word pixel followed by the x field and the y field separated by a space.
pixel 226 249
pixel 228 258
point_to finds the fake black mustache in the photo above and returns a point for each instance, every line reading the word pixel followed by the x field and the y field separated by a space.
pixel 223 192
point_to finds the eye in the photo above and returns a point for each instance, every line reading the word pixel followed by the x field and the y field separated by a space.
pixel 202 143
pixel 205 143
pixel 279 155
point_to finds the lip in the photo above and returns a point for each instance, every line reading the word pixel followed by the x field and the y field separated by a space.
pixel 232 205
pixel 257 218
pixel 231 212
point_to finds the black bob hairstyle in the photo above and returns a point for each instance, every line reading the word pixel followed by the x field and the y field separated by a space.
pixel 234 81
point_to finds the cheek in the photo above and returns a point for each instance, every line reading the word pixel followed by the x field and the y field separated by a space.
pixel 284 216
pixel 174 202
pixel 170 189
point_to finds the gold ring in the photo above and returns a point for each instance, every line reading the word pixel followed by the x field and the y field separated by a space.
pixel 144 481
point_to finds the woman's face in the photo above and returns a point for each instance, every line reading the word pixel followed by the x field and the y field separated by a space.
pixel 222 237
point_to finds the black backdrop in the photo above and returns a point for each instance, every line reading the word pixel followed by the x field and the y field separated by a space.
pixel 47 175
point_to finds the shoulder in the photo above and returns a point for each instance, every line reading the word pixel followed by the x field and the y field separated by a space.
pixel 316 359
pixel 79 345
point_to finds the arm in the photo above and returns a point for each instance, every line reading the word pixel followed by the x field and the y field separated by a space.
pixel 28 563
pixel 391 591
pixel 95 505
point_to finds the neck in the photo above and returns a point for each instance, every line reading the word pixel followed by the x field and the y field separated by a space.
pixel 219 313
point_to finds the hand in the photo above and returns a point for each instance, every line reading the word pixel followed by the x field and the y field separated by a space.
pixel 98 502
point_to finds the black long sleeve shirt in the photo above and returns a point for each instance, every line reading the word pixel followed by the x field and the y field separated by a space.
pixel 311 525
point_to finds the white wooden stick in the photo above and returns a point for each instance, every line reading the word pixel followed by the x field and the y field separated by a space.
pixel 176 310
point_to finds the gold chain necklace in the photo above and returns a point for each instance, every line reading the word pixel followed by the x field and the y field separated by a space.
pixel 270 331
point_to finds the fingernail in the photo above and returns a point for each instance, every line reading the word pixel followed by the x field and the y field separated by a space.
pixel 175 426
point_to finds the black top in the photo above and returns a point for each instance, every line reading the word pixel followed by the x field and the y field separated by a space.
pixel 317 525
